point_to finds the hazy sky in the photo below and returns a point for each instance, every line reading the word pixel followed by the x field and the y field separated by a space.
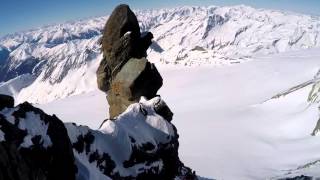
pixel 17 15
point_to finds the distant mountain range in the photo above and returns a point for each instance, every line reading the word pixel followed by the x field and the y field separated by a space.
pixel 56 61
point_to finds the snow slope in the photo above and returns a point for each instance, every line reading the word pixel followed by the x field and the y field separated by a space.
pixel 63 57
pixel 230 126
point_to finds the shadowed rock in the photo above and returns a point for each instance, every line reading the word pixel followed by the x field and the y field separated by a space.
pixel 45 156
pixel 163 110
pixel 6 101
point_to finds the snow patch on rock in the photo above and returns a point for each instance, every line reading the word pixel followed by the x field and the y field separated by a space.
pixel 35 127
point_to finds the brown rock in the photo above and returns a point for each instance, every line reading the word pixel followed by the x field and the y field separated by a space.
pixel 120 22
pixel 121 41
pixel 137 78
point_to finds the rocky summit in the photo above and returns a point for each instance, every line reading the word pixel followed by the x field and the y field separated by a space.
pixel 140 144
pixel 124 72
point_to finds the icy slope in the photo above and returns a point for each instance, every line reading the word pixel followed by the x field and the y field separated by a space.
pixel 63 57
pixel 230 126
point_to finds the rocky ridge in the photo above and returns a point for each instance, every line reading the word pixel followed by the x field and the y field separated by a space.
pixel 140 144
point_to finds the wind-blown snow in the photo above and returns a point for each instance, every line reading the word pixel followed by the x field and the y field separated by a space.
pixel 64 57
pixel 229 126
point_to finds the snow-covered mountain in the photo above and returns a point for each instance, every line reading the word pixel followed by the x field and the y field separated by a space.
pixel 139 144
pixel 249 121
pixel 60 60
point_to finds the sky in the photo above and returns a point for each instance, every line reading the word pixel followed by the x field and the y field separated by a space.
pixel 18 15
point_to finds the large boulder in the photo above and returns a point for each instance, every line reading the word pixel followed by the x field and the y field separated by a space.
pixel 137 78
pixel 121 41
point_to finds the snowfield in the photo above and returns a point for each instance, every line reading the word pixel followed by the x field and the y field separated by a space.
pixel 230 126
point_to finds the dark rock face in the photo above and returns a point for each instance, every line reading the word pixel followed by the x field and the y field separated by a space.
pixel 6 101
pixel 4 54
pixel 40 151
pixel 161 108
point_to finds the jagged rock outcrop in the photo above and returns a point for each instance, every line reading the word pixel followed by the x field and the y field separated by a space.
pixel 124 73
pixel 139 144
pixel 141 119
pixel 121 41
pixel 33 145
pixel 149 141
